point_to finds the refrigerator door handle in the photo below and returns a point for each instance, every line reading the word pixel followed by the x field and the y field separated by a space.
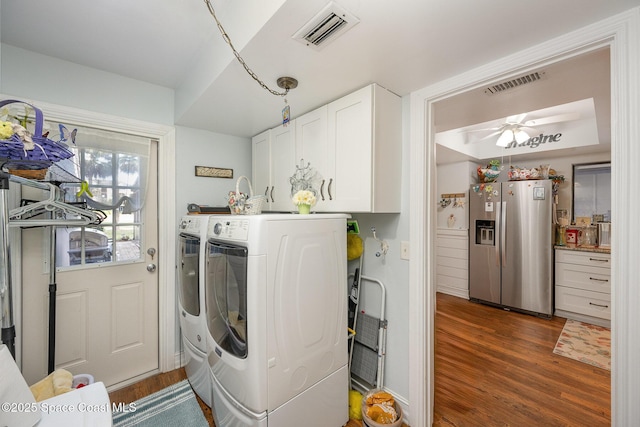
pixel 503 232
pixel 498 235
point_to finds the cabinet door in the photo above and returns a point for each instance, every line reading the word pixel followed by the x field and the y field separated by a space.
pixel 350 124
pixel 261 159
pixel 311 147
pixel 282 167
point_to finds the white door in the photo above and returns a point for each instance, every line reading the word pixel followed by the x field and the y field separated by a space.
pixel 107 302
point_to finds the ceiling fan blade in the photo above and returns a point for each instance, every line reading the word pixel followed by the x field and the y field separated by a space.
pixel 518 118
pixel 491 135
pixel 552 119
pixel 481 130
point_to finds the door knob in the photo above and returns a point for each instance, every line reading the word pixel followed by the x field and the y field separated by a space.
pixel 151 268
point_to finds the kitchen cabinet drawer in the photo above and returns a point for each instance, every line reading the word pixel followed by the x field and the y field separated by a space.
pixel 596 279
pixel 593 259
pixel 595 304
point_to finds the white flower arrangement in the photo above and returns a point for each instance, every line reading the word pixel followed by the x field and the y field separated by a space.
pixel 304 197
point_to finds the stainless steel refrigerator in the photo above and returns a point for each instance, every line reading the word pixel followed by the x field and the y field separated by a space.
pixel 511 245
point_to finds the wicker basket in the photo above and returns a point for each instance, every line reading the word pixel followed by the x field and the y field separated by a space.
pixel 13 155
pixel 37 174
pixel 241 204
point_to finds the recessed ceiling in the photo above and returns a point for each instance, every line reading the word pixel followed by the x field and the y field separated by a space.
pixel 580 77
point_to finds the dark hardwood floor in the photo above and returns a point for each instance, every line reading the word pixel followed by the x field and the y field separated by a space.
pixel 492 368
pixel 497 368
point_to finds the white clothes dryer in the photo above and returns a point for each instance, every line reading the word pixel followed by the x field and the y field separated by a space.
pixel 276 304
pixel 191 309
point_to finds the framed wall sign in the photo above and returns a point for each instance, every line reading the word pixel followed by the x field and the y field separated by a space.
pixel 211 172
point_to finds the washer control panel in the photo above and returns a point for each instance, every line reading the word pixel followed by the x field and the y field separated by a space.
pixel 190 224
pixel 232 229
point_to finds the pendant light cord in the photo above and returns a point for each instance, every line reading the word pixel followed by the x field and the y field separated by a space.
pixel 227 39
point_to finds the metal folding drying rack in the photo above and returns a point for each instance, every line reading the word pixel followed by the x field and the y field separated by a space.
pixel 368 337
pixel 21 217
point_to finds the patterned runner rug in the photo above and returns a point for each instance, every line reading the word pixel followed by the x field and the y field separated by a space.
pixel 586 343
pixel 174 406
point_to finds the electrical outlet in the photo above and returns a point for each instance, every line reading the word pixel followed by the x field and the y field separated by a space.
pixel 404 250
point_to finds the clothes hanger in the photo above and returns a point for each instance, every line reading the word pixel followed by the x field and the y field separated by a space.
pixel 21 216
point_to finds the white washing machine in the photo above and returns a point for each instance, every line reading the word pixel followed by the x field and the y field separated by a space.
pixel 275 293
pixel 192 235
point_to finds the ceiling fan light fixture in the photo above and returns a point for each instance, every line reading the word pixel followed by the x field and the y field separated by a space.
pixel 505 138
pixel 521 136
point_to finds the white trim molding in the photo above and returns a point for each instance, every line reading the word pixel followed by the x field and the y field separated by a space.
pixel 621 33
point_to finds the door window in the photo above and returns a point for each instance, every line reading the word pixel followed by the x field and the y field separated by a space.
pixel 108 173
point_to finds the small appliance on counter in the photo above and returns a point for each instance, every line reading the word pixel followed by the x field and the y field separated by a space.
pixel 604 234
pixel 572 236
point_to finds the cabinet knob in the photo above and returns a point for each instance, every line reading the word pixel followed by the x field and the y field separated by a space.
pixel 266 191
pixel 329 189
pixel 322 190
pixel 271 194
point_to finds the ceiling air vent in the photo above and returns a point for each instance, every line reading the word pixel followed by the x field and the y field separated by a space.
pixel 513 83
pixel 325 26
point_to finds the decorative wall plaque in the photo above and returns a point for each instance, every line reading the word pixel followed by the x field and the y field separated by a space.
pixel 212 172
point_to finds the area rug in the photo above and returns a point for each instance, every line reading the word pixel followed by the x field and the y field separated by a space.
pixel 174 406
pixel 586 343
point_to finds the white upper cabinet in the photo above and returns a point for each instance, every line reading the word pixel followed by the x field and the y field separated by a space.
pixel 273 165
pixel 364 151
pixel 261 163
pixel 354 144
pixel 282 167
pixel 311 148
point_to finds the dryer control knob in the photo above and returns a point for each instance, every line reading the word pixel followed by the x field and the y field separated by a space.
pixel 217 229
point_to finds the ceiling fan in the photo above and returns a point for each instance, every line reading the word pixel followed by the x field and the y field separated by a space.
pixel 515 128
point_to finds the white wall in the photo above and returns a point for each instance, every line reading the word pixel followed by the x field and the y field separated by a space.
pixel 203 148
pixel 455 178
pixel 29 75
pixel 394 273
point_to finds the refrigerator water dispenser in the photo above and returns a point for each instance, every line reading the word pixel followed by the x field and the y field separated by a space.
pixel 485 232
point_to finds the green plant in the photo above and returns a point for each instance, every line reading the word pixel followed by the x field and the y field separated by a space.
pixel 494 164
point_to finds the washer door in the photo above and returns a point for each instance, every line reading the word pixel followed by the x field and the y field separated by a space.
pixel 226 296
pixel 188 277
